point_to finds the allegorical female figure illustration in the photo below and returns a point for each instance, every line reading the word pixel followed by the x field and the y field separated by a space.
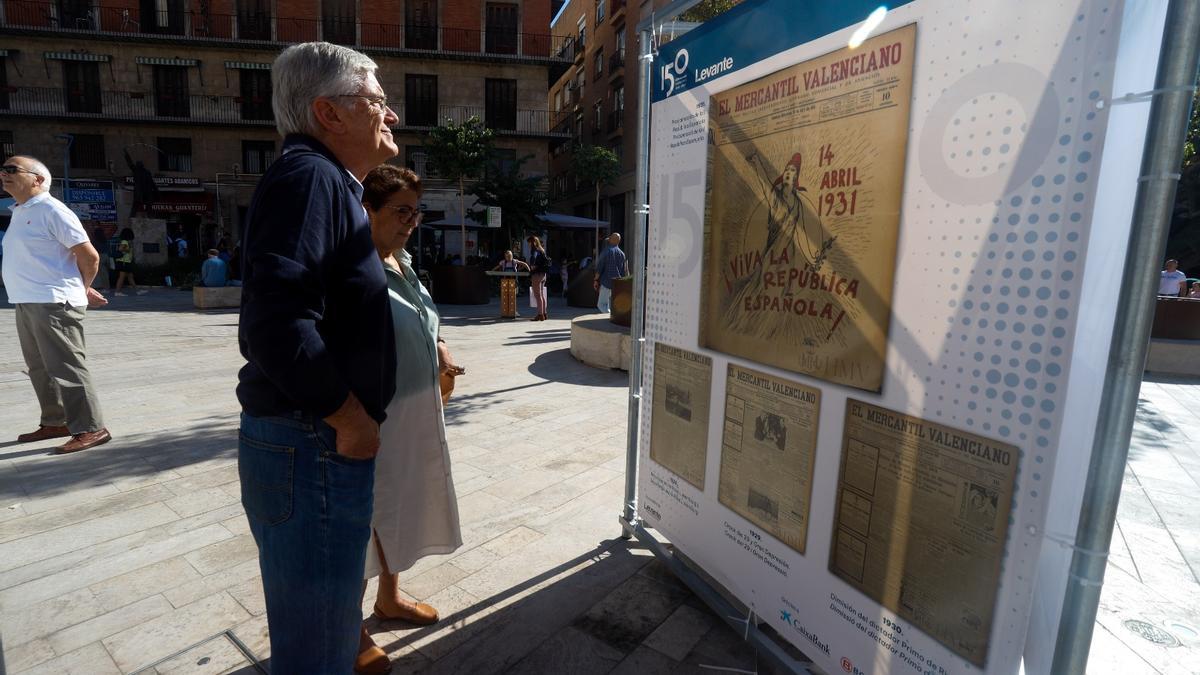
pixel 792 219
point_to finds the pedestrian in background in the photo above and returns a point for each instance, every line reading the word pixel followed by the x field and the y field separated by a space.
pixel 125 264
pixel 1172 282
pixel 48 268
pixel 539 266
pixel 611 264
pixel 317 336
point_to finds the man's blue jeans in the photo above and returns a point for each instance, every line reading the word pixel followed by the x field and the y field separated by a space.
pixel 310 513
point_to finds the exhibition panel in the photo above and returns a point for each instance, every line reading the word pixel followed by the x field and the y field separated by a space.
pixel 893 231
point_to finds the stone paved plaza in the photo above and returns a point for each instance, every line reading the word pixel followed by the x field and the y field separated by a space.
pixel 117 558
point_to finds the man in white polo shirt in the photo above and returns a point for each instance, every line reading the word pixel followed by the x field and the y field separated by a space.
pixel 1172 282
pixel 49 265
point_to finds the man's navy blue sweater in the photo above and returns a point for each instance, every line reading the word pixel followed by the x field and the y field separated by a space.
pixel 315 323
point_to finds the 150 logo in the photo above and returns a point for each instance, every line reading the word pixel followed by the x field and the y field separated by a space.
pixel 675 72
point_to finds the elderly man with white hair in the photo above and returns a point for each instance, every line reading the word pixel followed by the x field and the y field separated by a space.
pixel 49 265
pixel 317 336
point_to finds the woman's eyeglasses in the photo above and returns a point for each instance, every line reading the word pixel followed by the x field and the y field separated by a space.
pixel 406 213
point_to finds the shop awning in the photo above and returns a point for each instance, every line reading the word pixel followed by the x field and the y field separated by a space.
pixel 563 220
pixel 246 65
pixel 159 61
pixel 76 56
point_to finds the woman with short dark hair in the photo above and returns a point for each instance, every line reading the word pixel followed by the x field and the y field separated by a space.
pixel 416 511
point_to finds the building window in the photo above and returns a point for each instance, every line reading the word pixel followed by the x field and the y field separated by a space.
pixel 339 21
pixel 257 156
pixel 6 144
pixel 256 94
pixel 171 97
pixel 621 41
pixel 81 85
pixel 598 117
pixel 420 100
pixel 3 83
pixel 580 79
pixel 599 60
pixel 558 99
pixel 500 104
pixel 87 152
pixel 599 12
pixel 420 24
pixel 579 125
pixel 175 154
pixel 161 16
pixel 501 29
pixel 582 39
pixel 254 19
pixel 502 160
pixel 417 159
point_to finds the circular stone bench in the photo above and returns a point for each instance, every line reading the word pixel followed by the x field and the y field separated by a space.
pixel 205 297
pixel 599 342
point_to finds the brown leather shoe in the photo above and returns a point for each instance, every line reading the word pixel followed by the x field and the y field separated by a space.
pixel 412 612
pixel 43 433
pixel 371 660
pixel 88 439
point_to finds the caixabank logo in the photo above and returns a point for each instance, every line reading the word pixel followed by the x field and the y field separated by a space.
pixel 787 617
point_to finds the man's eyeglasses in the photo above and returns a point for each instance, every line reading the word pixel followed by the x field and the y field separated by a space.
pixel 406 213
pixel 377 103
pixel 10 169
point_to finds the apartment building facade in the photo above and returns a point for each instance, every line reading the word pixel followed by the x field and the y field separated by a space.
pixel 183 87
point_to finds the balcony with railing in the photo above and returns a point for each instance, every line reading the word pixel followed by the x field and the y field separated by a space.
pixel 264 30
pixel 616 121
pixel 616 10
pixel 137 106
pixel 616 64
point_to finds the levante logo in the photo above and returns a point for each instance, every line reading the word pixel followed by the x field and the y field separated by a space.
pixel 675 73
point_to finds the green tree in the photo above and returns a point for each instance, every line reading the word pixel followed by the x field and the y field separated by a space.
pixel 460 152
pixel 1191 147
pixel 521 198
pixel 707 10
pixel 599 165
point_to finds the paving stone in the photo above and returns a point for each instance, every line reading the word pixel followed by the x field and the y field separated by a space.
pixel 95 571
pixel 223 555
pixel 155 639
pixel 428 583
pixel 146 581
pixel 90 660
pixel 192 591
pixel 201 501
pixel 249 595
pixel 25 656
pixel 99 627
pixel 676 636
pixel 52 543
pixel 569 651
pixel 630 613
pixel 645 661
pixel 44 618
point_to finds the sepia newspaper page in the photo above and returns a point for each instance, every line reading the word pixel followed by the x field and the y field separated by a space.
pixel 767 450
pixel 802 210
pixel 922 516
pixel 679 417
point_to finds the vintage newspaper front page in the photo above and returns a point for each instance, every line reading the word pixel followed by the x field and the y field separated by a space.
pixel 921 521
pixel 767 450
pixel 802 211
pixel 679 417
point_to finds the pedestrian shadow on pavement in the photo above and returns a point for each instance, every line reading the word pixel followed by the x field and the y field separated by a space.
pixel 126 462
pixel 591 620
pixel 539 337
